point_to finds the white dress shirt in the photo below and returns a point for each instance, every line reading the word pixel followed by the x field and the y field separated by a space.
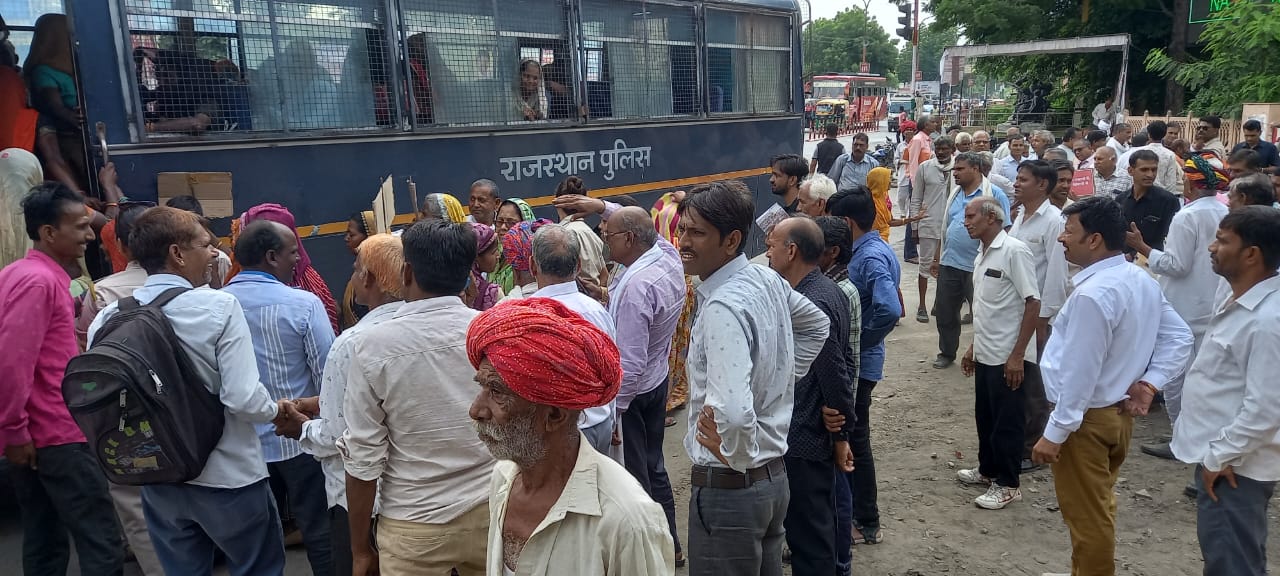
pixel 603 524
pixel 1008 166
pixel 1121 149
pixel 1230 403
pixel 211 326
pixel 320 435
pixel 752 339
pixel 409 390
pixel 1104 340
pixel 1040 231
pixel 1004 278
pixel 1169 173
pixel 1185 271
pixel 567 293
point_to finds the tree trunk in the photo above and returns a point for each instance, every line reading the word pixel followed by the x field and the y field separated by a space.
pixel 1175 94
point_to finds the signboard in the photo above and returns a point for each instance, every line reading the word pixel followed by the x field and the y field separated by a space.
pixel 919 76
pixel 1201 12
pixel 1082 183
pixel 864 68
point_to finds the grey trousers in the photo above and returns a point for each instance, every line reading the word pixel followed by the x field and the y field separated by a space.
pixel 738 531
pixel 1233 530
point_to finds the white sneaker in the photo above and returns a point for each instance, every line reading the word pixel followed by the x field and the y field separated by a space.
pixel 998 497
pixel 971 476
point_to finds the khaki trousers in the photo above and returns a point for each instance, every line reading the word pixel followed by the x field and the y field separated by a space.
pixel 1085 477
pixel 413 548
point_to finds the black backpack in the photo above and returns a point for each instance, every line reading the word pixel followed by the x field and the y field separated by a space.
pixel 146 412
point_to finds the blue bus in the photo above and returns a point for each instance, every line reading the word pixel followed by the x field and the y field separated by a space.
pixel 313 103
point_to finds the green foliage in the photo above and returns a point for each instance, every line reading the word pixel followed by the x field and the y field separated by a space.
pixel 1088 76
pixel 835 44
pixel 1241 63
pixel 933 40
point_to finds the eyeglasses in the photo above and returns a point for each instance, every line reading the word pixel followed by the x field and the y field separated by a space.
pixel 507 222
pixel 608 235
pixel 981 141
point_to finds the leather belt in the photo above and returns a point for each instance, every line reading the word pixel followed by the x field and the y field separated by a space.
pixel 729 479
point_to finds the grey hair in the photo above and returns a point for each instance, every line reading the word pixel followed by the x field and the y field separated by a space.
pixel 486 183
pixel 990 207
pixel 982 132
pixel 820 185
pixel 964 138
pixel 636 221
pixel 924 119
pixel 1045 135
pixel 556 251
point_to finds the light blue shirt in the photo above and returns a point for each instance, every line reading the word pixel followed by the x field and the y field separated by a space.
pixel 960 250
pixel 291 338
pixel 567 293
pixel 849 173
pixel 214 334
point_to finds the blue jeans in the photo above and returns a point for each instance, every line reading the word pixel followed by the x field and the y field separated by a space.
pixel 1233 530
pixel 67 494
pixel 188 522
pixel 303 481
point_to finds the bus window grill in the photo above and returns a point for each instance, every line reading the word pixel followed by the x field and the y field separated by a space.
pixel 210 66
pixel 748 62
pixel 641 59
pixel 476 62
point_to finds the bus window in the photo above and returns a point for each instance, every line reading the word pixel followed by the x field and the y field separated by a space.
pixel 258 66
pixel 748 62
pixel 641 59
pixel 472 65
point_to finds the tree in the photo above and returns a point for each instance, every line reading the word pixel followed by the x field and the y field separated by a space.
pixel 933 40
pixel 1242 56
pixel 1090 77
pixel 835 44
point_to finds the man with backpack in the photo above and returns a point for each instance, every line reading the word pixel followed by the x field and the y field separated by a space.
pixel 227 504
pixel 59 486
pixel 291 339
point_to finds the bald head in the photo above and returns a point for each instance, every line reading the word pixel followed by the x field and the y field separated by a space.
pixel 1104 160
pixel 805 235
pixel 637 222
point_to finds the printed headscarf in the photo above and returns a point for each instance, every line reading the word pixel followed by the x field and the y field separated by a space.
pixel 366 221
pixel 666 217
pixel 526 211
pixel 517 245
pixel 546 353
pixel 486 292
pixel 1204 171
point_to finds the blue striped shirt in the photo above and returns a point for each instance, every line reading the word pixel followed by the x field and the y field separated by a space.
pixel 291 338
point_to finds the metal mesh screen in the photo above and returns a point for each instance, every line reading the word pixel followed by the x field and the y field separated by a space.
pixel 489 62
pixel 260 65
pixel 748 62
pixel 640 59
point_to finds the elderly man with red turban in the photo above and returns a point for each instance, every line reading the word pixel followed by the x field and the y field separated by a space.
pixel 539 365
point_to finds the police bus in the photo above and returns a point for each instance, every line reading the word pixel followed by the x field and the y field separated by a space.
pixel 311 104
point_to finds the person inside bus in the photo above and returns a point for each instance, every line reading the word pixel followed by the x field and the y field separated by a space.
pixel 420 80
pixel 178 102
pixel 17 119
pixel 531 96
pixel 50 77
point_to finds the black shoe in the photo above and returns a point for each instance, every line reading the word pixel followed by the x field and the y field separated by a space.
pixel 967 320
pixel 1160 450
pixel 942 362
pixel 1191 491
pixel 1029 466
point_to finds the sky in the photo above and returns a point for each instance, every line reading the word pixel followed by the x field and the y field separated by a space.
pixel 884 12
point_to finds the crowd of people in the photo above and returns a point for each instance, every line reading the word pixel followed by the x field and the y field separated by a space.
pixel 490 394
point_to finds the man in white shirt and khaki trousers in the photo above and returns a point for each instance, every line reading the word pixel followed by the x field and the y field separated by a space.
pixel 1232 405
pixel 1006 308
pixel 1102 367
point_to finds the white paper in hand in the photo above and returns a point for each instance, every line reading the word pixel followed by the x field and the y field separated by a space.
pixel 771 217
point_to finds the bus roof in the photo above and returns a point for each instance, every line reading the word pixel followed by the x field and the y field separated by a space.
pixel 788 5
pixel 848 75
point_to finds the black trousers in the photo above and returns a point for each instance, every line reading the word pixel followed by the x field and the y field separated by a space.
pixel 67 493
pixel 866 514
pixel 340 536
pixel 955 286
pixel 1000 418
pixel 642 433
pixel 811 518
pixel 1036 409
pixel 303 481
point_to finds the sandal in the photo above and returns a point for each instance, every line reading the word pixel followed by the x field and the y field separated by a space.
pixel 669 422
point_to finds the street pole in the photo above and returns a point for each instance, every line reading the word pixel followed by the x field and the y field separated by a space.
pixel 915 53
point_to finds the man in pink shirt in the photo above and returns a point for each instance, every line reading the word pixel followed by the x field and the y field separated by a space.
pixel 59 485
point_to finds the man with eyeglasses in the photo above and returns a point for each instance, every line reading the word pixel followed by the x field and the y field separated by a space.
pixel 1207 131
pixel 981 141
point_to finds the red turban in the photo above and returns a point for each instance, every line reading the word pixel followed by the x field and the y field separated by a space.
pixel 907 125
pixel 547 353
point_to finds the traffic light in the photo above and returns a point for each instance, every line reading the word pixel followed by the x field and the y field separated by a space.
pixel 907 32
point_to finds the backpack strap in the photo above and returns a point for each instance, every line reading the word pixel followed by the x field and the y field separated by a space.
pixel 166 296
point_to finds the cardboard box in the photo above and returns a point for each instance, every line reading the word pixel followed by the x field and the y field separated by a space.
pixel 212 189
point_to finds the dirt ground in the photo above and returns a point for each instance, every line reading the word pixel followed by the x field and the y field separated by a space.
pixel 922 430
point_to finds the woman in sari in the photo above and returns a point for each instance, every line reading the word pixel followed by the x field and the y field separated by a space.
pixel 304 277
pixel 19 173
pixel 359 227
pixel 51 85
pixel 510 213
pixel 666 219
pixel 482 294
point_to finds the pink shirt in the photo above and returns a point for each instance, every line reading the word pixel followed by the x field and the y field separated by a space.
pixel 37 337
